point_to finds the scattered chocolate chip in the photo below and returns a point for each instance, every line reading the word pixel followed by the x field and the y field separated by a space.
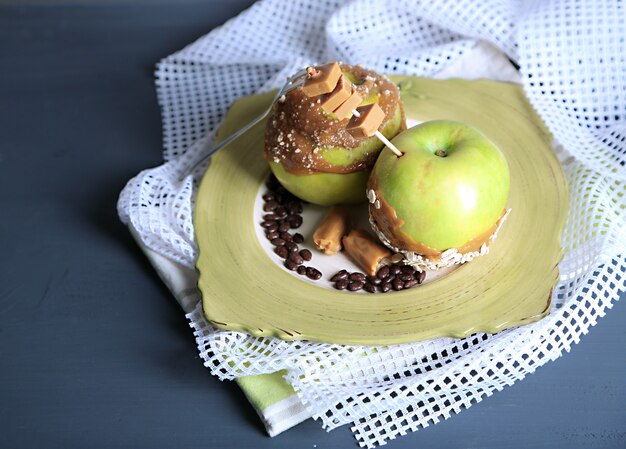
pixel 286 236
pixel 373 280
pixel 421 276
pixel 301 270
pixel 280 213
pixel 278 242
pixel 397 284
pixel 269 225
pixel 410 283
pixel 269 217
pixel 298 238
pixel 369 287
pixel 405 277
pixel 383 272
pixel 341 284
pixel 281 251
pixel 343 274
pixel 283 226
pixel 385 286
pixel 354 286
pixel 313 273
pixel 356 276
pixel 291 265
pixel 270 206
pixel 395 269
pixel 296 258
pixel 271 235
pixel 295 221
pixel 291 247
pixel 306 254
pixel 294 207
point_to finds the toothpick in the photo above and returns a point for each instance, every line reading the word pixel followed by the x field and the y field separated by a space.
pixel 382 138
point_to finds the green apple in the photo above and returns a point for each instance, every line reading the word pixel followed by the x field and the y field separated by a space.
pixel 338 188
pixel 449 187
pixel 324 189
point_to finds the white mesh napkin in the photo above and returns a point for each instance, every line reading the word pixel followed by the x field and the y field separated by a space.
pixel 572 60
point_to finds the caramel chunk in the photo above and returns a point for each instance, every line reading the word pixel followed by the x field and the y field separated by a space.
pixel 327 236
pixel 365 251
pixel 347 106
pixel 370 118
pixel 342 92
pixel 323 81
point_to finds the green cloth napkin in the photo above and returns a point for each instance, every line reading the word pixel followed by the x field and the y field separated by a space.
pixel 276 403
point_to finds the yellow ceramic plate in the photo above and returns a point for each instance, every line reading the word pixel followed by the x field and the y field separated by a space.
pixel 244 290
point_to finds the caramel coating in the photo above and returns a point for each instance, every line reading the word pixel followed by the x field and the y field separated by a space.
pixel 298 128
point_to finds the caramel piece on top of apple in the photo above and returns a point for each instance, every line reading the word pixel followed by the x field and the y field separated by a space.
pixel 367 252
pixel 367 122
pixel 322 80
pixel 349 105
pixel 337 97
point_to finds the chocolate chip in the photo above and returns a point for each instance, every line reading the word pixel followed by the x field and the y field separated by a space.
pixel 270 206
pixel 278 242
pixel 291 247
pixel 383 273
pixel 301 270
pixel 313 273
pixel 281 251
pixel 341 284
pixel 385 287
pixel 286 236
pixel 280 213
pixel 356 276
pixel 291 265
pixel 269 196
pixel 420 277
pixel 398 284
pixel 295 221
pixel 271 235
pixel 298 238
pixel 395 269
pixel 296 258
pixel 343 274
pixel 269 217
pixel 293 207
pixel 306 254
pixel 269 225
pixel 369 287
pixel 283 226
pixel 354 286
pixel 410 283
pixel 405 277
pixel 373 280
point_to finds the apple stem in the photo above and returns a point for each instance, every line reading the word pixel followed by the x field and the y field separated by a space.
pixel 441 153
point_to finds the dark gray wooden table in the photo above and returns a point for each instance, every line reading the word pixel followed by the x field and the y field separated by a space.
pixel 94 353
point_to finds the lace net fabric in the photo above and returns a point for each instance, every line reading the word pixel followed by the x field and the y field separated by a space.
pixel 571 57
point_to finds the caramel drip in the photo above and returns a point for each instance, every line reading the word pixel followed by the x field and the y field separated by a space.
pixel 388 222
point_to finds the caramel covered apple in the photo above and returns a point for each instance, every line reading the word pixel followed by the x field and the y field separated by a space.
pixel 315 145
pixel 444 200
